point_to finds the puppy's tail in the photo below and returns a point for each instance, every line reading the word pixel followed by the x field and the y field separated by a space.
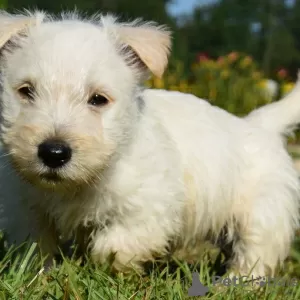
pixel 281 117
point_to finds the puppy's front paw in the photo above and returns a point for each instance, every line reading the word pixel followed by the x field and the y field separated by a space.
pixel 117 255
pixel 124 250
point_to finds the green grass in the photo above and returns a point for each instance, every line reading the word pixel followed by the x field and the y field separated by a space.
pixel 23 277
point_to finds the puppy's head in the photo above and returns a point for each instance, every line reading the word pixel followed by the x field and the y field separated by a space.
pixel 69 91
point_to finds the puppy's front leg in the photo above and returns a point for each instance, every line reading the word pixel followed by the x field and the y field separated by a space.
pixel 131 246
pixel 48 240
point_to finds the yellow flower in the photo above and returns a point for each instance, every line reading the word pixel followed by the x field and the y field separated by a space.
pixel 246 62
pixel 158 83
pixel 287 87
pixel 225 74
pixel 183 85
pixel 262 83
pixel 256 75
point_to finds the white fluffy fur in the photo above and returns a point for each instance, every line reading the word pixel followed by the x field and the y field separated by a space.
pixel 152 166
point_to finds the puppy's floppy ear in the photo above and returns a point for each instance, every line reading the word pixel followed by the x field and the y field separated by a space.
pixel 11 25
pixel 150 43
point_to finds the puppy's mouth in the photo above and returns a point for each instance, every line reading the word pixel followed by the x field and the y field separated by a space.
pixel 52 177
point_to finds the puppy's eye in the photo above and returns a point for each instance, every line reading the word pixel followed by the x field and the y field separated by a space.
pixel 98 100
pixel 26 91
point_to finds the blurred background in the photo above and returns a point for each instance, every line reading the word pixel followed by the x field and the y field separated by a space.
pixel 238 54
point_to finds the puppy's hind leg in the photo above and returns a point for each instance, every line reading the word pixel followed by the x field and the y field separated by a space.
pixel 265 232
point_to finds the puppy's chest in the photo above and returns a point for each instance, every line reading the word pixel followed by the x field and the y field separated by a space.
pixel 79 211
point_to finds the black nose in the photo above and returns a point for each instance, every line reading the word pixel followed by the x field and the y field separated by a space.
pixel 54 153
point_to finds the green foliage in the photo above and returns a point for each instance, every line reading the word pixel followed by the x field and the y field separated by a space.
pixel 233 82
pixel 268 30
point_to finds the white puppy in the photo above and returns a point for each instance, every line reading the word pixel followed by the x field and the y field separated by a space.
pixel 140 173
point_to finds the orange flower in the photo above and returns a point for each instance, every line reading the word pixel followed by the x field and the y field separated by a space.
pixel 282 73
pixel 233 56
pixel 220 60
pixel 202 57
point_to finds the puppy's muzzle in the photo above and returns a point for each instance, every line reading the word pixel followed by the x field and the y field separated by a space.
pixel 54 153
